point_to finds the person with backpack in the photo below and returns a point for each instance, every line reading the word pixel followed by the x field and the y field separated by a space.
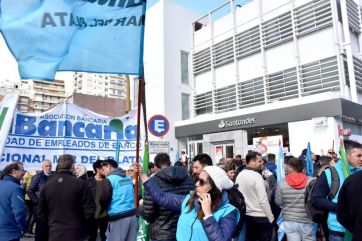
pixel 290 195
pixel 171 179
pixel 321 197
pixel 205 214
pixel 316 215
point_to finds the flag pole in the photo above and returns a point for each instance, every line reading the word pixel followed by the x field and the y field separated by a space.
pixel 140 83
pixel 140 91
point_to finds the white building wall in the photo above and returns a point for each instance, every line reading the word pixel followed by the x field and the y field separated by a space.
pixel 318 45
pixel 225 76
pixel 250 67
pixel 203 83
pixel 280 57
pixel 167 33
pixel 320 138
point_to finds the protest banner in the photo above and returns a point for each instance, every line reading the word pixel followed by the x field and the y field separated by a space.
pixel 70 129
pixel 7 108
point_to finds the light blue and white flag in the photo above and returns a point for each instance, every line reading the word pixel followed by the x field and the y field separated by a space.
pixel 45 36
pixel 280 164
pixel 280 178
pixel 309 168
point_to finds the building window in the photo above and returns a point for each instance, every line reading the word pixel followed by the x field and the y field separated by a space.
pixel 185 106
pixel 184 67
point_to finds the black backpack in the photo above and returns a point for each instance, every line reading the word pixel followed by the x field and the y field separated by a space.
pixel 236 199
pixel 315 214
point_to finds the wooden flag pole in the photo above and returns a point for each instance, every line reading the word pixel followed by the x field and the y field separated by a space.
pixel 140 84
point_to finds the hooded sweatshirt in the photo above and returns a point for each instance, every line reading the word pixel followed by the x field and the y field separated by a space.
pixel 290 195
pixel 297 180
pixel 271 166
pixel 164 222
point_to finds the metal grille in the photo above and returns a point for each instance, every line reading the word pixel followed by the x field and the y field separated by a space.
pixel 345 67
pixel 223 52
pixel 251 92
pixel 353 16
pixel 282 85
pixel 247 42
pixel 277 30
pixel 357 63
pixel 203 103
pixel 319 76
pixel 202 61
pixel 313 16
pixel 225 98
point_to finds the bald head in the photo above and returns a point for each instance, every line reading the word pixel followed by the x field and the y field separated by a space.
pixel 46 165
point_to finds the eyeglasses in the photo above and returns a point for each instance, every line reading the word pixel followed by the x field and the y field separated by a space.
pixel 331 152
pixel 202 181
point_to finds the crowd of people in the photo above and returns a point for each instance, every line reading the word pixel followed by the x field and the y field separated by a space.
pixel 190 200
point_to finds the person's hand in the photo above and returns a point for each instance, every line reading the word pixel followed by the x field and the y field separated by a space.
pixel 140 202
pixel 142 175
pixel 205 200
pixel 137 168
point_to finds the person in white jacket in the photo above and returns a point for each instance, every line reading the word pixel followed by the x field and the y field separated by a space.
pixel 259 216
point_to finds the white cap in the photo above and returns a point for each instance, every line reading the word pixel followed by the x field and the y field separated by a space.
pixel 219 177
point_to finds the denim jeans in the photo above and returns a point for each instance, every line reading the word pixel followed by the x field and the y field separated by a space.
pixel 335 236
pixel 299 231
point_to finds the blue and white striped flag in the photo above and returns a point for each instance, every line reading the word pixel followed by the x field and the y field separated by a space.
pixel 46 36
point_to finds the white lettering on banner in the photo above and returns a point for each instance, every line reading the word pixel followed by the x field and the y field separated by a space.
pixel 78 132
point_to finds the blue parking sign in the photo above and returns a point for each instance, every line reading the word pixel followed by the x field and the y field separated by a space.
pixel 158 125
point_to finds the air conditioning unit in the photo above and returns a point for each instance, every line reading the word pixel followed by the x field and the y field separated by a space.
pixel 320 121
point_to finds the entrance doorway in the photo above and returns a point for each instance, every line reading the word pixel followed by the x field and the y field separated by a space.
pixel 224 150
pixel 194 148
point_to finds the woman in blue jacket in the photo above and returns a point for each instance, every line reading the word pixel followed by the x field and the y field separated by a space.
pixel 205 213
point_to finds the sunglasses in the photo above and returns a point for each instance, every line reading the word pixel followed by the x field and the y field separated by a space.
pixel 332 153
pixel 202 181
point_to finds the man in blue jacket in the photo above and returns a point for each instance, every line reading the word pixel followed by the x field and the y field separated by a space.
pixel 12 203
pixel 323 186
pixel 118 197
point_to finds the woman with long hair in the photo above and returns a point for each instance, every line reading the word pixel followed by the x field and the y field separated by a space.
pixel 205 214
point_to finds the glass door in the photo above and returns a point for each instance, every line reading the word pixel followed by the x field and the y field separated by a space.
pixel 225 150
pixel 194 148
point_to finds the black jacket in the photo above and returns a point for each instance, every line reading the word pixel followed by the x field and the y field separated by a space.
pixel 319 196
pixel 349 212
pixel 67 206
pixel 36 185
pixel 100 212
pixel 164 222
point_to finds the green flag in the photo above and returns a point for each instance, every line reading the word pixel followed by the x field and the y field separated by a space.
pixel 143 231
pixel 345 164
pixel 346 171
